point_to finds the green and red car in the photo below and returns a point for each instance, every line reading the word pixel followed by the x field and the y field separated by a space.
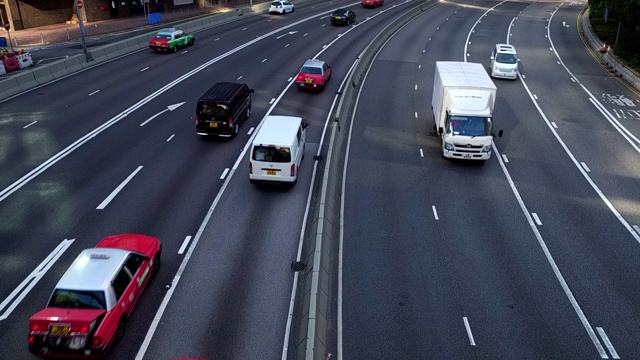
pixel 170 39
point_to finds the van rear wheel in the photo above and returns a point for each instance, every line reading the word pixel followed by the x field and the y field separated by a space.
pixel 236 130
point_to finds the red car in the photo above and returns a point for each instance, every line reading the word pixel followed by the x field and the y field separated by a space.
pixel 372 3
pixel 313 75
pixel 89 307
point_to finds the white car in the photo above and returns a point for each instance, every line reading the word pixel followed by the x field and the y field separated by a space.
pixel 281 7
pixel 504 62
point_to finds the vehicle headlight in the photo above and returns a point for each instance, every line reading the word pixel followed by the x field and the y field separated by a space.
pixel 448 146
pixel 486 149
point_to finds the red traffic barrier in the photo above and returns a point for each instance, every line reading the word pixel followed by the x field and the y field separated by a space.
pixel 11 64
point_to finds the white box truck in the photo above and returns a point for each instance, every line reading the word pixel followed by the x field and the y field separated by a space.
pixel 462 103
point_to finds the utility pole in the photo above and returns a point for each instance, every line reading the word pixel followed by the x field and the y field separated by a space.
pixel 79 5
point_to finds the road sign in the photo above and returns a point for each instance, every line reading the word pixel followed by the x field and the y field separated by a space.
pixel 7 26
pixel 80 4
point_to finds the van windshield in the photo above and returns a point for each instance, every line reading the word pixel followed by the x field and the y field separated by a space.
pixel 272 154
pixel 470 125
pixel 76 299
pixel 208 110
pixel 506 58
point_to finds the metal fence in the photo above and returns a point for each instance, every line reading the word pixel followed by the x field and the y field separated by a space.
pixel 71 32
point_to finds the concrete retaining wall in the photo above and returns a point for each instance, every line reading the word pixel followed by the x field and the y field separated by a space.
pixel 314 330
pixel 608 59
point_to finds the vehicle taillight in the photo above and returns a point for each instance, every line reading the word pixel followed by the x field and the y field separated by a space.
pixel 96 342
pixel 35 327
pixel 32 339
pixel 230 120
pixel 196 119
pixel 84 329
pixel 250 168
pixel 293 170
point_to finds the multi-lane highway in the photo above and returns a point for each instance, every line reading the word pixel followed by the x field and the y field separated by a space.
pixel 533 254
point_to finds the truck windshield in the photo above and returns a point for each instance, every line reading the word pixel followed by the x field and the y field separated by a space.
pixel 470 125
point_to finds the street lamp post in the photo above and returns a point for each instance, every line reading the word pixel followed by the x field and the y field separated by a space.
pixel 79 5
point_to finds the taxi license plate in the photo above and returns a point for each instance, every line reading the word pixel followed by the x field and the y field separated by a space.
pixel 158 43
pixel 59 330
pixel 271 172
pixel 308 81
pixel 213 124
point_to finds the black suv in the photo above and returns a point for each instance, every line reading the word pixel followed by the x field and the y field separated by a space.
pixel 222 109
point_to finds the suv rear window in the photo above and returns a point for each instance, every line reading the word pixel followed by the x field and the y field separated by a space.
pixel 210 110
pixel 272 154
pixel 75 299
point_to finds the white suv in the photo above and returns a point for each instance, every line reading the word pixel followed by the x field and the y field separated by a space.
pixel 504 62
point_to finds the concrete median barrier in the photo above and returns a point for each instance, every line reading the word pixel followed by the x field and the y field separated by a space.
pixel 73 63
pixel 26 80
pixel 99 55
pixel 9 87
pixel 43 74
pixel 313 341
pixel 58 69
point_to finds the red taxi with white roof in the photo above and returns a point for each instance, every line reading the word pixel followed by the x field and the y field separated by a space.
pixel 89 307
pixel 313 75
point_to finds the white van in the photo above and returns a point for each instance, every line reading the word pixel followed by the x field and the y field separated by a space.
pixel 504 62
pixel 277 150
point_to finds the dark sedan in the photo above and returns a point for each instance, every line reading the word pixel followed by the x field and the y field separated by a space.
pixel 343 17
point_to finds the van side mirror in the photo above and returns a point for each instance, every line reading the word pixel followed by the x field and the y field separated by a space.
pixel 305 124
pixel 491 57
pixel 500 133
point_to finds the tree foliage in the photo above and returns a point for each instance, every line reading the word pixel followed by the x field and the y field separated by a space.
pixel 623 15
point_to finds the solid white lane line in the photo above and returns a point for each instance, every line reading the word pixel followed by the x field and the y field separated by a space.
pixel 504 157
pixel 171 137
pixel 224 173
pixel 607 343
pixel 184 245
pixel 250 131
pixel 115 192
pixel 26 126
pixel 435 212
pixel 20 292
pixel 145 69
pixel 95 92
pixel 584 165
pixel 554 125
pixel 536 219
pixel 466 326
pixel 465 53
pixel 421 153
pixel 637 229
